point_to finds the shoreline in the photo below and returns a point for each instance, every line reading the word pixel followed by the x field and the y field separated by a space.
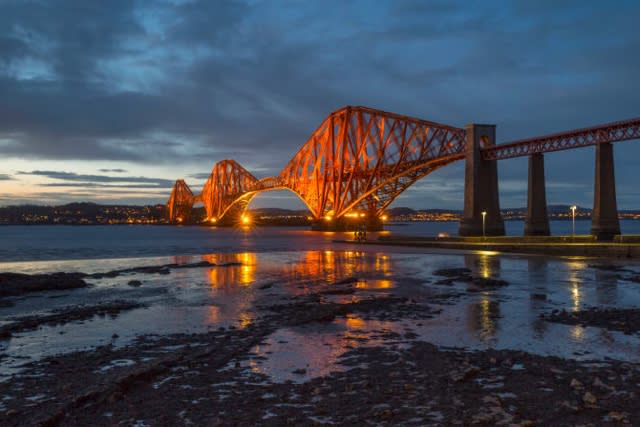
pixel 553 248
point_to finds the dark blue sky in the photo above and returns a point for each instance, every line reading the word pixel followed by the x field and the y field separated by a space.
pixel 113 100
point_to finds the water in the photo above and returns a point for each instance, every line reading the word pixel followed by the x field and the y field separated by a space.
pixel 294 261
pixel 26 243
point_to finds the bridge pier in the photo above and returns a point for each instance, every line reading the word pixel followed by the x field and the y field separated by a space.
pixel 481 186
pixel 604 218
pixel 537 222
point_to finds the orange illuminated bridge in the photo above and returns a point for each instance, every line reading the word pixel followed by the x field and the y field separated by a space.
pixel 355 164
pixel 359 160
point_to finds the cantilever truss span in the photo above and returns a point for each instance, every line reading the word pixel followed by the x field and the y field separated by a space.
pixel 357 159
pixel 361 159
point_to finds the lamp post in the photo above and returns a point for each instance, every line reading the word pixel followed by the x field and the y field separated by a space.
pixel 484 217
pixel 573 218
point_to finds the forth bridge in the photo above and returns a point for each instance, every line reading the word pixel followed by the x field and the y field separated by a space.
pixel 359 160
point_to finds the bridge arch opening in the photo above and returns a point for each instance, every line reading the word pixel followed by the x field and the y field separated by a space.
pixel 277 206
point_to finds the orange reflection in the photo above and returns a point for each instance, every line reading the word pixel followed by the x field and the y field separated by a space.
pixel 213 314
pixel 374 284
pixel 326 265
pixel 245 320
pixel 229 276
pixel 354 321
pixel 333 265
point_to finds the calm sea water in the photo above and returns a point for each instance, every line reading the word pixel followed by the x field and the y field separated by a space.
pixel 27 243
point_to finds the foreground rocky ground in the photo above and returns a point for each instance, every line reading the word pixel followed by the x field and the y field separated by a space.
pixel 384 377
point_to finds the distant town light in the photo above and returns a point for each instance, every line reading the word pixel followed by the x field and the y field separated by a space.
pixel 213 220
pixel 384 217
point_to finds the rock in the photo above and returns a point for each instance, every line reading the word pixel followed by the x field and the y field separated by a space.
pixel 539 297
pixel 600 384
pixel 568 405
pixel 409 387
pixel 468 374
pixel 134 283
pixel 300 371
pixel 452 272
pixel 589 398
pixel 575 384
pixel 489 282
pixel 13 284
pixel 618 416
pixel 492 400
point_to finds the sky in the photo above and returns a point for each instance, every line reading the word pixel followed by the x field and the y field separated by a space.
pixel 111 101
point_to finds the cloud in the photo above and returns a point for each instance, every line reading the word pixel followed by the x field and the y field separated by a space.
pixel 117 170
pixel 5 177
pixel 191 83
pixel 87 179
pixel 123 187
pixel 204 175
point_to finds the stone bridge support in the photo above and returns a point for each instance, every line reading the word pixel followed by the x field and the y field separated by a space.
pixel 481 186
pixel 604 218
pixel 537 221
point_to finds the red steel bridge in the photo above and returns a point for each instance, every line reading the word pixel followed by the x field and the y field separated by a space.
pixel 359 160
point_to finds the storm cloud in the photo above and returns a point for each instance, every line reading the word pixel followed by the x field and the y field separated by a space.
pixel 194 82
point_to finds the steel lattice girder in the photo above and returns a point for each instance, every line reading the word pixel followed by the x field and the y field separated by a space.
pixel 180 202
pixel 360 158
pixel 228 183
pixel 611 132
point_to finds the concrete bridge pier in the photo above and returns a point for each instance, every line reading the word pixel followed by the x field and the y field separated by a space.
pixel 481 186
pixel 537 222
pixel 604 218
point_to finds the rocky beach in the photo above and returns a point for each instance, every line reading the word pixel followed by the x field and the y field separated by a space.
pixel 321 338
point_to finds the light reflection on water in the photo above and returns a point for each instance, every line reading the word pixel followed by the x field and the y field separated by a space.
pixel 198 299
pixel 317 349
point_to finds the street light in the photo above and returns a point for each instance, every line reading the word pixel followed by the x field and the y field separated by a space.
pixel 484 217
pixel 573 218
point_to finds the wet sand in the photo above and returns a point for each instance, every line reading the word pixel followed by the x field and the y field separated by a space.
pixel 325 337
